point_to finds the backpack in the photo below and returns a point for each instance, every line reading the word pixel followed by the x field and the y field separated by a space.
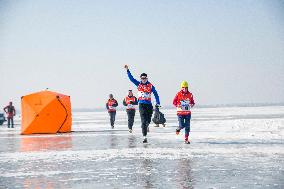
pixel 159 117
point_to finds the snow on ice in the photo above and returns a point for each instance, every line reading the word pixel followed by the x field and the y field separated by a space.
pixel 231 147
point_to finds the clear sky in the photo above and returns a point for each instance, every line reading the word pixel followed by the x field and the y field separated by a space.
pixel 228 51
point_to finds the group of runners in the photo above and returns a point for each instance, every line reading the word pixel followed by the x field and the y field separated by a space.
pixel 183 101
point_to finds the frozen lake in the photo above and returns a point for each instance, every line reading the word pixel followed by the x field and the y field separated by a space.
pixel 237 147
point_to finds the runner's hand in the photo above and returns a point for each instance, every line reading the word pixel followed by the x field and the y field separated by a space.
pixel 126 67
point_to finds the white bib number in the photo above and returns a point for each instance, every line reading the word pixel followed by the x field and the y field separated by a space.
pixel 111 107
pixel 144 94
pixel 130 106
pixel 184 105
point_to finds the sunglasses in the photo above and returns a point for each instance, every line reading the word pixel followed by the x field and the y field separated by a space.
pixel 144 78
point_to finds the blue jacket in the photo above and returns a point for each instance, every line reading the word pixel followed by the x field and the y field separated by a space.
pixel 136 83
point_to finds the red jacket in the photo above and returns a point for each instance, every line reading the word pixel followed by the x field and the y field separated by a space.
pixel 111 105
pixel 183 101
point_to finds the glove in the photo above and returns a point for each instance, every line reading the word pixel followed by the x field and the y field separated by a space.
pixel 157 105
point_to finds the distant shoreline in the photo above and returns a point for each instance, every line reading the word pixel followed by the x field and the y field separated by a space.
pixel 197 106
pixel 171 107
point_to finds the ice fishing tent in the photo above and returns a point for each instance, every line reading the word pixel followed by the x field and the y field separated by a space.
pixel 46 112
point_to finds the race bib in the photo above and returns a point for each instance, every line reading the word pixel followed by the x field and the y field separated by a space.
pixel 184 105
pixel 111 107
pixel 144 94
pixel 130 106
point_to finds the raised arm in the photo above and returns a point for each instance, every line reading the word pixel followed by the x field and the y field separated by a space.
pixel 156 95
pixel 131 78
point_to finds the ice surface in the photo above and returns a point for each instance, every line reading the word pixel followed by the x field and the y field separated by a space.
pixel 239 147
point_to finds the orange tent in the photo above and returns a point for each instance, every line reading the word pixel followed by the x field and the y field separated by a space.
pixel 46 112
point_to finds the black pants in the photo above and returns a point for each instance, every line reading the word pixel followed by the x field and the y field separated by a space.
pixel 112 117
pixel 10 122
pixel 130 115
pixel 146 111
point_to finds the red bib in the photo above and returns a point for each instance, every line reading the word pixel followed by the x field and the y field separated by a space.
pixel 129 105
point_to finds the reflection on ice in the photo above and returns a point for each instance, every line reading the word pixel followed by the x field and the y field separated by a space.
pixel 63 142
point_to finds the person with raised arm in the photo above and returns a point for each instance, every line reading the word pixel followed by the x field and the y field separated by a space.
pixel 145 89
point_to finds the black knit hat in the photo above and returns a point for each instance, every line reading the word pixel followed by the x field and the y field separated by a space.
pixel 143 75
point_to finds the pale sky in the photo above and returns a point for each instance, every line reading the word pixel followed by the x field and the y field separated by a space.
pixel 229 51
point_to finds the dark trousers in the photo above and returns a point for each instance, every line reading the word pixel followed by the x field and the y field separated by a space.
pixel 112 117
pixel 10 122
pixel 130 115
pixel 146 111
pixel 184 122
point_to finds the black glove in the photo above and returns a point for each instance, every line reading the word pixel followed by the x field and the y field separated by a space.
pixel 157 106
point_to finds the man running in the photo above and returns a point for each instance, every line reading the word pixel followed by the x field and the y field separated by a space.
pixel 184 101
pixel 130 101
pixel 145 89
pixel 111 107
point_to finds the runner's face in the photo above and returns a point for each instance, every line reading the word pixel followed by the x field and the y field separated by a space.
pixel 130 93
pixel 184 89
pixel 144 79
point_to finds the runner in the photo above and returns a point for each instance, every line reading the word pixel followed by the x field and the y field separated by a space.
pixel 145 89
pixel 184 101
pixel 111 107
pixel 130 101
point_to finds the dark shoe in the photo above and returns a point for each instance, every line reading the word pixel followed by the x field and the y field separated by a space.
pixel 164 125
pixel 157 125
pixel 145 140
pixel 186 142
pixel 130 130
pixel 112 127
